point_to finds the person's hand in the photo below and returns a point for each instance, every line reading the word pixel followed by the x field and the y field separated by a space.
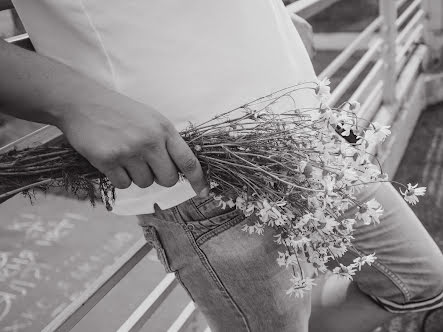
pixel 128 141
pixel 124 139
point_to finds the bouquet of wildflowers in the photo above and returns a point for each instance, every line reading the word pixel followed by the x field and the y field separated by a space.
pixel 288 166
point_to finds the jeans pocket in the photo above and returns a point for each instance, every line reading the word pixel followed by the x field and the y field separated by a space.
pixel 153 239
pixel 206 218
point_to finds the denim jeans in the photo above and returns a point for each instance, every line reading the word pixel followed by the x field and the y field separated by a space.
pixel 234 279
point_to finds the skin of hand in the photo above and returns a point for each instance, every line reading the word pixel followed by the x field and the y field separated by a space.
pixel 127 140
pixel 124 139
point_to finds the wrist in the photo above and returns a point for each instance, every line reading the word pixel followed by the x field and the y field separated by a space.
pixel 81 103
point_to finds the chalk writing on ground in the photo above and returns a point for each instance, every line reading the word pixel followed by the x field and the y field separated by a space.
pixel 43 268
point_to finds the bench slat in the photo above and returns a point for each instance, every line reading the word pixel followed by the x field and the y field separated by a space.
pixel 147 308
pixel 69 317
pixel 22 41
pixel 308 8
pixel 355 72
pixel 45 135
pixel 362 38
pixel 184 319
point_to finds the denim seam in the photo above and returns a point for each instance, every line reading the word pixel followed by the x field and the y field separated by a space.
pixel 177 276
pixel 214 232
pixel 205 262
pixel 217 230
pixel 391 276
pixel 151 232
pixel 196 208
pixel 202 203
pixel 164 259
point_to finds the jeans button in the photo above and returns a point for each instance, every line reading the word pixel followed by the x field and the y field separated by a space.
pixel 190 227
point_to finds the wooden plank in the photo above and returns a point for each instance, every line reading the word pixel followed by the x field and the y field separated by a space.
pixel 45 135
pixel 354 73
pixel 407 13
pixel 388 11
pixel 184 319
pixel 403 127
pixel 412 24
pixel 309 8
pixel 406 82
pixel 344 56
pixel 22 41
pixel 371 105
pixel 408 46
pixel 338 41
pixel 409 74
pixel 370 80
pixel 364 36
pixel 367 85
pixel 147 308
pixel 69 317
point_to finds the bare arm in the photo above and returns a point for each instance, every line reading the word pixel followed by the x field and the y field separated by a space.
pixel 124 139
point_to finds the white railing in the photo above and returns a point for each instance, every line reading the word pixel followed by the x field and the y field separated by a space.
pixel 308 8
pixel 399 45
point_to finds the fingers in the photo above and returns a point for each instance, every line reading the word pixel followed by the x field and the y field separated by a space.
pixel 160 160
pixel 188 164
pixel 118 177
pixel 161 164
pixel 139 171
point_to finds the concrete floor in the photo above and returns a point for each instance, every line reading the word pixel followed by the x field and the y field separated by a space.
pixel 51 250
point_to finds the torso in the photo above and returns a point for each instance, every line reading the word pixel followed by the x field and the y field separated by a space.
pixel 187 59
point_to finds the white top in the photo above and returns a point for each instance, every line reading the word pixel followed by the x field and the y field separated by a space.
pixel 187 59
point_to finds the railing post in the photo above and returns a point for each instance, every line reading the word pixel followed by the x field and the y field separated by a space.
pixel 434 34
pixel 388 11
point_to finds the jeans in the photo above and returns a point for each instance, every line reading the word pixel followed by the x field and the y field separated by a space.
pixel 234 279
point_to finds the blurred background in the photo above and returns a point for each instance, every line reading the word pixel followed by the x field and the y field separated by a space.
pixel 55 247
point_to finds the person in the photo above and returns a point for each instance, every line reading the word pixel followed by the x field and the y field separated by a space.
pixel 121 78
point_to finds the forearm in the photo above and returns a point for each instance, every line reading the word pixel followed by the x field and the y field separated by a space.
pixel 124 139
pixel 36 88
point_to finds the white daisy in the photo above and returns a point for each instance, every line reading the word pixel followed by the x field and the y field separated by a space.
pixel 344 271
pixel 411 193
pixel 300 285
pixel 360 261
pixel 323 89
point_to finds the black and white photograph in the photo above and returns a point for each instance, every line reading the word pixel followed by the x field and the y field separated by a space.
pixel 221 166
